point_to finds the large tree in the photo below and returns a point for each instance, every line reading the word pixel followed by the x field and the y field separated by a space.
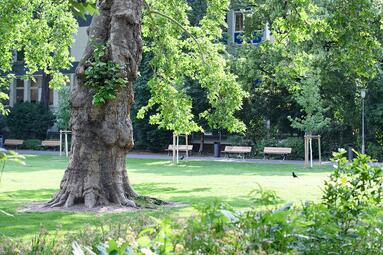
pixel 103 93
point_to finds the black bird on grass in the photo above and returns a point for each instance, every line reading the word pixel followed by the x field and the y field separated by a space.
pixel 294 175
pixel 182 157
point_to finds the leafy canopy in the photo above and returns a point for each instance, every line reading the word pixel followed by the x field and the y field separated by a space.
pixel 311 41
pixel 43 30
pixel 181 52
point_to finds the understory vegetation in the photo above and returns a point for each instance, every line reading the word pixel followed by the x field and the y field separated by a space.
pixel 347 220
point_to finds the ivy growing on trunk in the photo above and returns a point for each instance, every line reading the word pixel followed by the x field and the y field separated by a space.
pixel 103 76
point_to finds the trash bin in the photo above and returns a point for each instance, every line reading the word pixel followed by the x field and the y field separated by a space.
pixel 350 153
pixel 217 149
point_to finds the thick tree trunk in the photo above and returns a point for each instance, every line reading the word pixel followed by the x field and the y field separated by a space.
pixel 103 135
pixel 201 143
pixel 45 90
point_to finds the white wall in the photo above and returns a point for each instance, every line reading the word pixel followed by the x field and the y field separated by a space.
pixel 80 42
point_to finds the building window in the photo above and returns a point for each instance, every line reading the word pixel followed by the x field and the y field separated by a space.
pixel 238 22
pixel 35 89
pixel 19 90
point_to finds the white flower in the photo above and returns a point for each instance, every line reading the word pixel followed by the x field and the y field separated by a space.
pixel 146 251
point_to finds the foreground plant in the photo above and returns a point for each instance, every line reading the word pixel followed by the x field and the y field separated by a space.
pixel 353 188
pixel 6 156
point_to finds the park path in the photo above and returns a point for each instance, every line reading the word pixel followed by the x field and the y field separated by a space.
pixel 162 156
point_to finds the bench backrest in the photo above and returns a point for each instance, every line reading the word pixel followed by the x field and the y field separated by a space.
pixel 237 149
pixel 277 150
pixel 13 142
pixel 180 147
pixel 50 143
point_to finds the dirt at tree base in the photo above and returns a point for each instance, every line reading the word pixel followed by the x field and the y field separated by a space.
pixel 80 208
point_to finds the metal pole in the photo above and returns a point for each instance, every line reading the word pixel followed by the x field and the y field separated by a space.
pixel 311 152
pixel 61 142
pixel 363 146
pixel 174 148
pixel 178 141
pixel 187 147
pixel 66 144
pixel 320 151
pixel 306 152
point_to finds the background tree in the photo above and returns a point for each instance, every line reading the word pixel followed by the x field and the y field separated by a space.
pixel 308 97
pixel 63 111
pixel 341 39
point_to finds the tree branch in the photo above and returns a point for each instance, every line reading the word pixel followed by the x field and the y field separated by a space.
pixel 179 25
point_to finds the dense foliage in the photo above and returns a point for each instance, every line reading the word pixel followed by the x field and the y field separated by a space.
pixel 43 30
pixel 29 120
pixel 146 136
pixel 312 66
pixel 63 110
pixel 181 52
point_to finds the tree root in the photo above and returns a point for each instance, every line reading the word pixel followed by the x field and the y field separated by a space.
pixel 90 200
pixel 149 202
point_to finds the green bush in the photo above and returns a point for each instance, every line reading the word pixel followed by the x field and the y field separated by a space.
pixel 29 121
pixel 353 188
pixel 63 111
pixel 297 146
pixel 375 151
pixel 32 144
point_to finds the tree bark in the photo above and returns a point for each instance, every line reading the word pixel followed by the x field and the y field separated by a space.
pixel 45 90
pixel 103 135
pixel 201 144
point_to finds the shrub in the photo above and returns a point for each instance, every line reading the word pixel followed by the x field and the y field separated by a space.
pixel 260 196
pixel 353 188
pixel 265 142
pixel 63 111
pixel 297 146
pixel 32 144
pixel 151 138
pixel 375 151
pixel 29 121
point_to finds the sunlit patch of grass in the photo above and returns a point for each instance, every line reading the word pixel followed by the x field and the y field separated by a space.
pixel 191 182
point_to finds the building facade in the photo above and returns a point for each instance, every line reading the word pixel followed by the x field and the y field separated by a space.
pixel 33 90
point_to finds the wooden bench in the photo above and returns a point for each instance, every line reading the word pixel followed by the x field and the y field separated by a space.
pixel 182 148
pixel 50 143
pixel 13 142
pixel 284 151
pixel 239 150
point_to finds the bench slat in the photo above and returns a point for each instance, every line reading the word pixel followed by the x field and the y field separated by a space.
pixel 277 150
pixel 180 147
pixel 13 142
pixel 237 149
pixel 50 143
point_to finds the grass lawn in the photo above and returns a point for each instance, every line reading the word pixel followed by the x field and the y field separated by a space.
pixel 190 182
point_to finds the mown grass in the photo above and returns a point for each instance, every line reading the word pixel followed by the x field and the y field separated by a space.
pixel 191 182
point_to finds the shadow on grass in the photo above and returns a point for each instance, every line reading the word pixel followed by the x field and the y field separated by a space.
pixel 29 223
pixel 192 196
pixel 158 188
